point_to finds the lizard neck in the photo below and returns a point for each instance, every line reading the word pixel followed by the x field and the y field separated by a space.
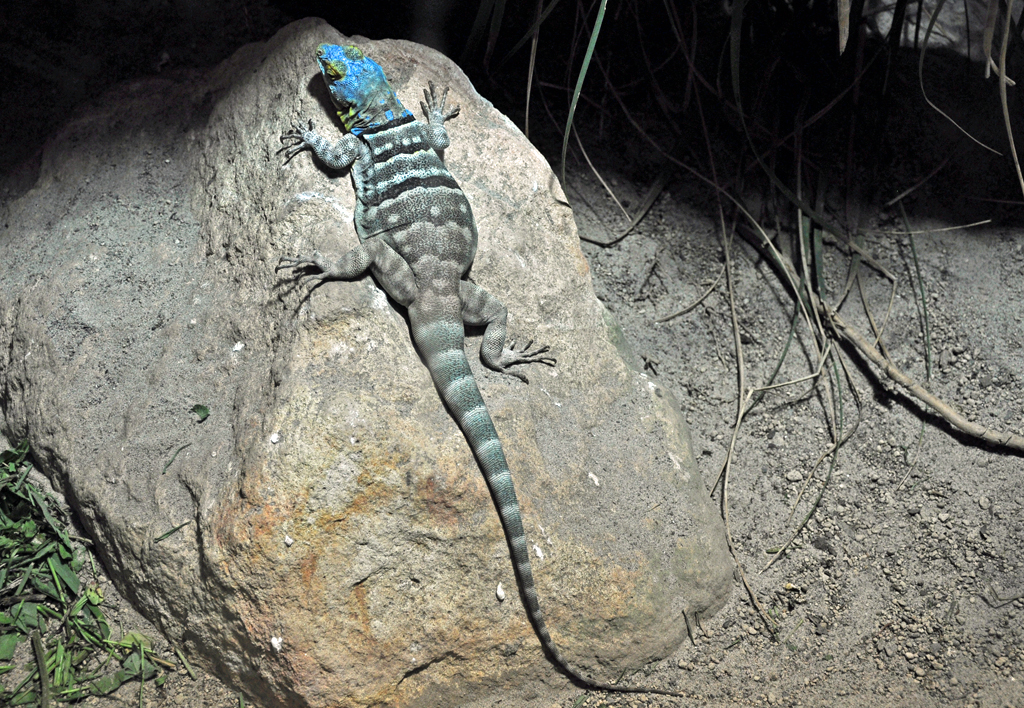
pixel 381 127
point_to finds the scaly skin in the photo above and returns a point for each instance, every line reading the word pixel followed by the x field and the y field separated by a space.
pixel 418 239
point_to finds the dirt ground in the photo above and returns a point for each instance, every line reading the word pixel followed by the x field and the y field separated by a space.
pixel 906 587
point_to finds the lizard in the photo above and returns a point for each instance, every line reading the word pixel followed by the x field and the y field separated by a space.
pixel 418 239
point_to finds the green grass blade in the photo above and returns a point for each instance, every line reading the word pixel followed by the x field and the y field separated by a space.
pixel 170 533
pixel 8 642
pixel 175 455
pixel 579 81
pixel 44 674
pixel 15 456
pixel 492 38
pixel 483 12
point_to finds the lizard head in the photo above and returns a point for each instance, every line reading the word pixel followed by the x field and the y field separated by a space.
pixel 358 88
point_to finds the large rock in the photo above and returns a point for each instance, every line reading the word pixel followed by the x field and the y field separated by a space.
pixel 341 546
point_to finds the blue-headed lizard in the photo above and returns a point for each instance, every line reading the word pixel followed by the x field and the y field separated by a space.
pixel 418 239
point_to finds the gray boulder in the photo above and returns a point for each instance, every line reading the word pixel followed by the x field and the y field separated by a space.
pixel 340 546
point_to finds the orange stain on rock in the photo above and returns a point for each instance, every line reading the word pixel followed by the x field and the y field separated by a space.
pixel 307 570
pixel 441 504
pixel 294 598
pixel 359 609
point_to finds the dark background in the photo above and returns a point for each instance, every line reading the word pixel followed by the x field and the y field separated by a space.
pixel 644 105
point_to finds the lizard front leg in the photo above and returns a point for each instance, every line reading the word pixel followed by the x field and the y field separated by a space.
pixel 479 307
pixel 374 255
pixel 337 156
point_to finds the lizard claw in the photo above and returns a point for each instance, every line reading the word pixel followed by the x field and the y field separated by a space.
pixel 288 262
pixel 511 357
pixel 435 110
pixel 315 261
pixel 309 261
pixel 294 140
pixel 528 357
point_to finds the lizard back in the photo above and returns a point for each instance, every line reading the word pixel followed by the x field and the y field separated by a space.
pixel 418 238
pixel 406 195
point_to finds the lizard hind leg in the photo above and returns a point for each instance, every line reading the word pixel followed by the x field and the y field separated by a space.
pixel 374 255
pixel 479 307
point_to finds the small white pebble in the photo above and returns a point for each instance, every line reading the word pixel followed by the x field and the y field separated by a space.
pixel 288 540
pixel 594 479
pixel 794 476
pixel 500 593
pixel 277 643
pixel 239 346
pixel 538 551
pixel 275 438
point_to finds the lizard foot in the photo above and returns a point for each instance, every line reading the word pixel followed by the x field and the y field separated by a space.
pixel 434 110
pixel 295 141
pixel 289 262
pixel 511 357
pixel 314 261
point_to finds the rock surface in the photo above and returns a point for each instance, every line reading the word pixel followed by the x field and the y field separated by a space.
pixel 339 546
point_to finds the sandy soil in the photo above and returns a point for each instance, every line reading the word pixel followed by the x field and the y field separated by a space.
pixel 901 588
pixel 904 588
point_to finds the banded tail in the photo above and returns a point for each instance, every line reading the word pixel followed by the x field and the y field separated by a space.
pixel 442 344
pixel 418 238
